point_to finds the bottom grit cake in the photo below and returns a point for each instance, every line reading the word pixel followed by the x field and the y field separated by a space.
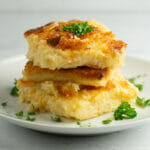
pixel 74 101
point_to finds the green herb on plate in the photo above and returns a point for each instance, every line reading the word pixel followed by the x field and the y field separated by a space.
pixel 19 114
pixel 56 119
pixel 133 81
pixel 31 112
pixel 124 111
pixel 107 121
pixel 4 104
pixel 142 102
pixel 139 86
pixel 84 125
pixel 15 90
pixel 30 119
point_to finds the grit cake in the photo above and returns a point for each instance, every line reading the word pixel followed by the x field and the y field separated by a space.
pixel 50 47
pixel 81 75
pixel 72 70
pixel 77 102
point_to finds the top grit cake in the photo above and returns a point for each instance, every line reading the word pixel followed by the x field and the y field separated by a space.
pixel 74 43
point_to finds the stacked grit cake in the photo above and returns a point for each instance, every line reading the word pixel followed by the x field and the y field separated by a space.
pixel 73 70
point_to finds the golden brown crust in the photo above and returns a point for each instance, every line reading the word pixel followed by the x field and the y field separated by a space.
pixel 68 90
pixel 88 73
pixel 36 30
pixel 55 37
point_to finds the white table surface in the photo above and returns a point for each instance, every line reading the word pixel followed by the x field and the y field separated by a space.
pixel 132 27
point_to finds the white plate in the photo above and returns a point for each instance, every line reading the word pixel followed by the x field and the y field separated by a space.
pixel 11 68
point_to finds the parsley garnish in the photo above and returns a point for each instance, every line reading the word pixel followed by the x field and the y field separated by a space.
pixel 4 104
pixel 31 112
pixel 19 114
pixel 84 125
pixel 142 102
pixel 14 91
pixel 133 81
pixel 107 121
pixel 78 28
pixel 139 86
pixel 125 111
pixel 30 119
pixel 56 119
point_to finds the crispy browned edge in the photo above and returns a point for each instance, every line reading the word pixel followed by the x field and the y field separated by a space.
pixel 37 30
pixel 67 91
pixel 65 40
pixel 88 73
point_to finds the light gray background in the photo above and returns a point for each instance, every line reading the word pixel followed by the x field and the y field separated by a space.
pixel 128 19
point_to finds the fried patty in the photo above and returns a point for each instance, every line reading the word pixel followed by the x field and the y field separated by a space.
pixel 80 75
pixel 78 102
pixel 50 47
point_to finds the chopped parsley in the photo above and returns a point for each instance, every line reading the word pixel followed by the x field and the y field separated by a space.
pixel 142 102
pixel 19 114
pixel 125 111
pixel 4 104
pixel 30 119
pixel 14 90
pixel 31 112
pixel 133 81
pixel 56 119
pixel 78 28
pixel 139 86
pixel 107 121
pixel 84 125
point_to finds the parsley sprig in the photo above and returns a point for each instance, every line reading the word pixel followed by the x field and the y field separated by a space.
pixel 107 121
pixel 125 111
pixel 133 81
pixel 4 104
pixel 84 124
pixel 142 102
pixel 30 119
pixel 78 28
pixel 19 114
pixel 56 119
pixel 14 90
pixel 31 112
